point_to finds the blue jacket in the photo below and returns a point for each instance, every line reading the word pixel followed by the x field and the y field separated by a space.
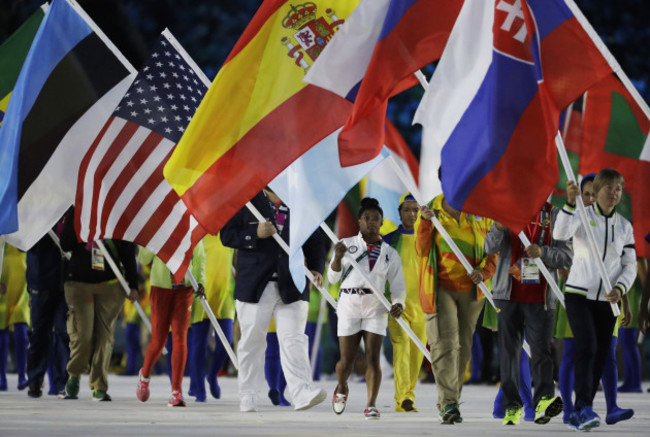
pixel 258 259
pixel 45 266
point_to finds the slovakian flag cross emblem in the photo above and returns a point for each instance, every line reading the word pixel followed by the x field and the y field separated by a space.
pixel 493 104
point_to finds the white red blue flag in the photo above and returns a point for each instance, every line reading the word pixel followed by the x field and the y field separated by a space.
pixel 374 57
pixel 493 104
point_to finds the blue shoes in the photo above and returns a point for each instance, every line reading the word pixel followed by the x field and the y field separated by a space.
pixel 584 419
pixel 617 414
pixel 215 390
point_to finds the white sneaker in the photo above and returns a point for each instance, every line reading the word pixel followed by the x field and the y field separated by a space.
pixel 318 397
pixel 248 403
pixel 338 402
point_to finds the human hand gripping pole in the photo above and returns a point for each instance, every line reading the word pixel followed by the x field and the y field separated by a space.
pixel 582 213
pixel 547 275
pixel 125 286
pixel 213 319
pixel 285 247
pixel 445 235
pixel 436 223
pixel 379 294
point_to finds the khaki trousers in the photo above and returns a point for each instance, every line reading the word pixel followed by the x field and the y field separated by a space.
pixel 92 312
pixel 449 333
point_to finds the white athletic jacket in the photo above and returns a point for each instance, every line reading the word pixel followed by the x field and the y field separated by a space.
pixel 615 242
pixel 388 268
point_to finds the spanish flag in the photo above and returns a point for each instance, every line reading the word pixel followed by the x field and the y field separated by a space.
pixel 258 115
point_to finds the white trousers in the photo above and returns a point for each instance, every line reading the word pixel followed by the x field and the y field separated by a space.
pixel 290 321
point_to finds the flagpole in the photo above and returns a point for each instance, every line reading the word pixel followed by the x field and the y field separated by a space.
pixel 445 235
pixel 317 334
pixel 118 54
pixel 2 255
pixel 611 60
pixel 213 319
pixel 591 239
pixel 56 241
pixel 549 278
pixel 436 223
pixel 285 247
pixel 379 294
pixel 125 286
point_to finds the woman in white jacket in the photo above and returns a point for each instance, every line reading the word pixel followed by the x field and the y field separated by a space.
pixel 587 300
pixel 360 314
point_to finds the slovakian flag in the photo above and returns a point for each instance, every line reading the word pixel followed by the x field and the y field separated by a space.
pixel 70 82
pixel 13 53
pixel 375 57
pixel 616 136
pixel 121 192
pixel 258 115
pixel 494 103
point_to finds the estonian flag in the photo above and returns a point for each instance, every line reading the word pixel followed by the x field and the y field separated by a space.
pixel 69 85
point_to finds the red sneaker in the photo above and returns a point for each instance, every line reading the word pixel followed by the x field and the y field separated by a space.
pixel 371 413
pixel 176 400
pixel 142 389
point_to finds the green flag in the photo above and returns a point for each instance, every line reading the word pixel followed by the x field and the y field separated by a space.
pixel 12 55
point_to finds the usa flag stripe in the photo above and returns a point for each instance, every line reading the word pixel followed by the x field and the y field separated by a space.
pixel 121 191
pixel 149 158
pixel 144 192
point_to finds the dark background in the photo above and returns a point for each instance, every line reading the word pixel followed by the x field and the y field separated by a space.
pixel 209 29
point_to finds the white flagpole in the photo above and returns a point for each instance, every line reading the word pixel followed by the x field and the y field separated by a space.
pixel 213 319
pixel 102 36
pixel 379 294
pixel 436 223
pixel 613 63
pixel 285 247
pixel 324 292
pixel 549 278
pixel 2 254
pixel 125 286
pixel 56 241
pixel 591 239
pixel 445 235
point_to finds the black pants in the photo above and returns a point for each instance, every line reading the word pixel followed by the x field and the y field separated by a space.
pixel 513 319
pixel 48 314
pixel 592 323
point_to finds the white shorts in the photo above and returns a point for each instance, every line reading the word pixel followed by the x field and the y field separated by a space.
pixel 376 325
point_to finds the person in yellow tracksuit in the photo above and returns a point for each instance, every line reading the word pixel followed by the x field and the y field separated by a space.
pixel 219 288
pixel 407 358
pixel 14 314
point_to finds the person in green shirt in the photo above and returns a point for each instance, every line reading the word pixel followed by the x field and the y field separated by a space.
pixel 171 305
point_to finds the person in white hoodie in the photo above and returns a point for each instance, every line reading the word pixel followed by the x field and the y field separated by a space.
pixel 587 300
pixel 360 314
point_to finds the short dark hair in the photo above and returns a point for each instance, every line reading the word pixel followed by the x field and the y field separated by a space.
pixel 368 203
pixel 588 178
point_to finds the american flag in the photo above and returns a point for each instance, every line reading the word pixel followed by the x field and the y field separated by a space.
pixel 121 191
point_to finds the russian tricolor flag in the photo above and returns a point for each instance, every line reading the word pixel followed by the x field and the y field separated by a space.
pixel 493 105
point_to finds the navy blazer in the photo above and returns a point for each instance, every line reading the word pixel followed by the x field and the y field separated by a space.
pixel 258 259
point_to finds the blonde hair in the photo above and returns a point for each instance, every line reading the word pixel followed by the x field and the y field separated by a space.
pixel 605 176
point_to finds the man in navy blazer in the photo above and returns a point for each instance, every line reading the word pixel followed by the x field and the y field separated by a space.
pixel 264 289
